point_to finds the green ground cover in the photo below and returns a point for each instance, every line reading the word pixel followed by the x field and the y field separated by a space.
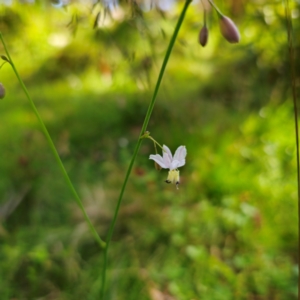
pixel 229 232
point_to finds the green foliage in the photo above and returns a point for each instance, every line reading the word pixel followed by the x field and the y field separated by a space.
pixel 230 232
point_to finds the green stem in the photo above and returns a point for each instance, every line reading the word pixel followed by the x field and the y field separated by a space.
pixel 204 13
pixel 155 142
pixel 294 94
pixel 139 142
pixel 216 8
pixel 53 149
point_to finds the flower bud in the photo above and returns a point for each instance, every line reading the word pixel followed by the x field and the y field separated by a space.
pixel 229 30
pixel 4 58
pixel 203 36
pixel 2 91
pixel 157 166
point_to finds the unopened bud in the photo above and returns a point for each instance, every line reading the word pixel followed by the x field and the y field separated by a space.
pixel 229 30
pixel 4 58
pixel 203 36
pixel 2 91
pixel 157 166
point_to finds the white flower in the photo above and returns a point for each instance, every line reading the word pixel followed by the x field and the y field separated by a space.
pixel 167 161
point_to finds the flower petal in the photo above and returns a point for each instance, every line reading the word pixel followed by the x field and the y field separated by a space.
pixel 179 158
pixel 180 154
pixel 167 156
pixel 159 160
pixel 175 164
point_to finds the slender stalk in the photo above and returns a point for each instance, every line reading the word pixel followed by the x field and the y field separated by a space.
pixel 53 149
pixel 139 142
pixel 294 93
pixel 154 142
pixel 216 8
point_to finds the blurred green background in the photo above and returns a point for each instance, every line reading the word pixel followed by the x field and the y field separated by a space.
pixel 229 232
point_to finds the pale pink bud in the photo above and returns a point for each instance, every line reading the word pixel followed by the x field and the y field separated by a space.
pixel 229 30
pixel 203 36
pixel 2 91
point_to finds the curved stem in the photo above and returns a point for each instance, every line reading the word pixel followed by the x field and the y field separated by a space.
pixel 155 142
pixel 139 142
pixel 294 95
pixel 3 64
pixel 53 149
pixel 216 8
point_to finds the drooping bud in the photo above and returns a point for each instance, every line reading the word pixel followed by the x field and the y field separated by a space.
pixel 4 58
pixel 229 30
pixel 157 166
pixel 203 36
pixel 2 91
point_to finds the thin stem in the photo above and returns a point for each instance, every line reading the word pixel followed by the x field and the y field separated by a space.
pixel 155 148
pixel 204 12
pixel 216 8
pixel 293 78
pixel 3 64
pixel 53 149
pixel 139 142
pixel 155 142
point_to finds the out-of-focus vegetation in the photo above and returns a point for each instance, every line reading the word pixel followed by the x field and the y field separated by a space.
pixel 229 232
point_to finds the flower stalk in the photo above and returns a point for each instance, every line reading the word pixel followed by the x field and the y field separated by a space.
pixel 216 8
pixel 139 142
pixel 52 147
pixel 294 96
pixel 146 135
